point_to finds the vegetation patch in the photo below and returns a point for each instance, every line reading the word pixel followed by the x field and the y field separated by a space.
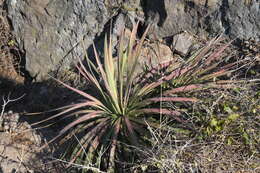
pixel 172 117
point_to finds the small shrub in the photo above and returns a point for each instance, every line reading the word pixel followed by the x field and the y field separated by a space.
pixel 121 104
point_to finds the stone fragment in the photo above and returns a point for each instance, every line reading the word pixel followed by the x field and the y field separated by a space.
pixel 183 42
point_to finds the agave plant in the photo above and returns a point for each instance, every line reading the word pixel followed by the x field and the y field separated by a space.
pixel 115 112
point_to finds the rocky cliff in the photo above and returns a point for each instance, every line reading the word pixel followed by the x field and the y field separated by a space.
pixel 49 31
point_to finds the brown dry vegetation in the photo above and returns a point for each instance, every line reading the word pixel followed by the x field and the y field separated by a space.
pixel 9 57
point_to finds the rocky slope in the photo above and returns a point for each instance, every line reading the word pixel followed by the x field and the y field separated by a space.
pixel 49 32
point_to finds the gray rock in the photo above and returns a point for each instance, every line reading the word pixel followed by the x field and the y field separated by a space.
pixel 49 31
pixel 9 121
pixel 19 151
pixel 183 42
pixel 235 18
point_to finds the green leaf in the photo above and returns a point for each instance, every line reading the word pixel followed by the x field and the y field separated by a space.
pixel 230 140
pixel 246 138
pixel 213 122
pixel 228 109
pixel 233 117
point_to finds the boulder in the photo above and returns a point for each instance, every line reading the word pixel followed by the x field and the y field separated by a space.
pixel 235 18
pixel 49 32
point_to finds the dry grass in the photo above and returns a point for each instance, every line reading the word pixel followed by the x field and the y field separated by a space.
pixel 9 57
pixel 234 147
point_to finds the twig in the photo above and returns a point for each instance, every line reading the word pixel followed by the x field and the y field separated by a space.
pixel 7 101
pixel 81 166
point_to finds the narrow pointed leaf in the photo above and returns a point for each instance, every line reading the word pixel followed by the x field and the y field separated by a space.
pixel 80 120
pixel 113 147
pixel 173 99
pixel 72 108
pixel 183 89
pixel 131 131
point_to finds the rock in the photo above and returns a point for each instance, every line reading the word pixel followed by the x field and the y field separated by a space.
pixel 183 42
pixel 19 147
pixel 9 121
pixel 154 54
pixel 204 17
pixel 49 32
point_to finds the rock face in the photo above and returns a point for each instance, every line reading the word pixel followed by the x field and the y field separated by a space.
pixel 49 31
pixel 235 18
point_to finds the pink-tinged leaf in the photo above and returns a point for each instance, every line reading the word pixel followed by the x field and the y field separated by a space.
pixel 131 131
pixel 103 74
pixel 177 72
pixel 111 83
pixel 79 129
pixel 97 134
pixel 52 110
pixel 113 146
pixel 154 71
pixel 73 107
pixel 200 54
pixel 160 111
pixel 80 120
pixel 84 141
pixel 217 54
pixel 89 77
pixel 81 93
pixel 174 99
pixel 94 143
pixel 229 81
pixel 221 86
pixel 83 73
pixel 149 87
pixel 171 113
pixel 228 66
pixel 140 44
pixel 59 135
pixel 94 81
pixel 200 71
pixel 213 75
pixel 100 126
pixel 133 55
pixel 183 89
pixel 160 66
pixel 130 49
